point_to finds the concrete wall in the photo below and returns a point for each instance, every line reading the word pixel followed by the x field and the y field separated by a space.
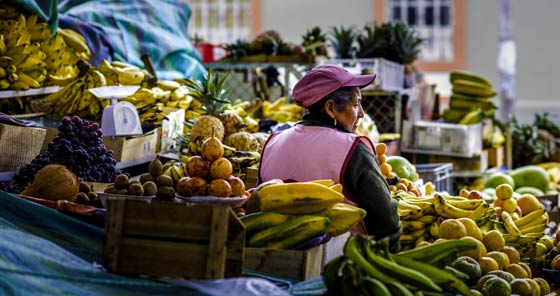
pixel 534 25
pixel 292 18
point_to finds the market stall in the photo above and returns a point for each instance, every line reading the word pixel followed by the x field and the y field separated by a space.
pixel 129 167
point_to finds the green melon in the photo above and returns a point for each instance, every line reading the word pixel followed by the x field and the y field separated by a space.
pixel 530 176
pixel 529 190
pixel 402 167
pixel 499 178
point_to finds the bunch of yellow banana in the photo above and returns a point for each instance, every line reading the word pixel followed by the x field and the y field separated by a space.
pixel 416 214
pixel 553 171
pixel 281 111
pixel 129 74
pixel 469 103
pixel 247 111
pixel 74 98
pixel 22 63
pixel 283 223
pixel 421 216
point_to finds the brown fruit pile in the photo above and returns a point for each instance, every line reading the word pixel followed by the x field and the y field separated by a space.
pixel 210 174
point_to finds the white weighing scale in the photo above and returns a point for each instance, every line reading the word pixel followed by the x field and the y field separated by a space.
pixel 119 118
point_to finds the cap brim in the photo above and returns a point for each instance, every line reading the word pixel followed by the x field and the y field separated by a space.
pixel 361 80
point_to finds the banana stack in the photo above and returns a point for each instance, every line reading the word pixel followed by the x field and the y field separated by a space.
pixel 22 63
pixel 175 170
pixel 32 56
pixel 553 171
pixel 281 111
pixel 368 268
pixel 75 99
pixel 469 103
pixel 421 216
pixel 284 215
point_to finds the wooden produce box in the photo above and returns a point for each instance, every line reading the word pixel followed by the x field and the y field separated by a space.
pixel 173 240
pixel 19 145
pixel 251 178
pixel 289 264
pixel 133 147
pixel 496 157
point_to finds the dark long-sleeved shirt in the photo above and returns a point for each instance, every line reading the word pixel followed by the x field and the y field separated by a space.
pixel 365 185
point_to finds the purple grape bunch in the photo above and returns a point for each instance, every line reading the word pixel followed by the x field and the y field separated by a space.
pixel 80 148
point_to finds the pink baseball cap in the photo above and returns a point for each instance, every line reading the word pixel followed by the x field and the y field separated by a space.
pixel 322 80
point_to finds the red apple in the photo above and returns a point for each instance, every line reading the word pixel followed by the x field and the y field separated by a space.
pixel 474 194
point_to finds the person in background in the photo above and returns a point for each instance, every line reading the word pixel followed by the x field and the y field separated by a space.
pixel 322 145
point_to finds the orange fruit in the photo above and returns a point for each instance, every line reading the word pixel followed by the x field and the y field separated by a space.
pixel 487 264
pixel 501 258
pixel 452 228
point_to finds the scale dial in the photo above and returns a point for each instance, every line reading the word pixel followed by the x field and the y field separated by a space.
pixel 126 119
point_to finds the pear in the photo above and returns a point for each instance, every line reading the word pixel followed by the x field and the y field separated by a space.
pixel 212 149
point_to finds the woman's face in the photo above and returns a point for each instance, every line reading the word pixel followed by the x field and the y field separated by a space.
pixel 352 112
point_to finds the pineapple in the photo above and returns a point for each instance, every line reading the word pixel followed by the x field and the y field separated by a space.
pixel 242 141
pixel 232 122
pixel 212 95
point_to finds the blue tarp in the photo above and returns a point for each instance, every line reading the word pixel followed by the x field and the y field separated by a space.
pixel 44 252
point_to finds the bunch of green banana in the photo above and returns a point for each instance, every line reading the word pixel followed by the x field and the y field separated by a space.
pixel 74 98
pixel 469 102
pixel 368 268
pixel 175 170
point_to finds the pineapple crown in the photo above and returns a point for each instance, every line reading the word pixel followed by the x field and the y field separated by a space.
pixel 342 40
pixel 210 92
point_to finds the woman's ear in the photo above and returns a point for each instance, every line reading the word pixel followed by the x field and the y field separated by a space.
pixel 329 108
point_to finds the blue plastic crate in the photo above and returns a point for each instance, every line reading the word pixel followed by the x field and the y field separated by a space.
pixel 437 173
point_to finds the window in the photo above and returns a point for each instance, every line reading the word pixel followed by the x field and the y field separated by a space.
pixel 439 22
pixel 224 21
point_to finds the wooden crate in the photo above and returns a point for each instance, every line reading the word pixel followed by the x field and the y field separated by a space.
pixel 19 145
pixel 289 264
pixel 251 178
pixel 173 240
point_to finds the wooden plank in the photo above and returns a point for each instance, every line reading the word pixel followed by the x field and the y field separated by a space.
pixel 168 221
pixel 175 240
pixel 215 263
pixel 235 246
pixel 113 228
pixel 163 258
pixel 290 264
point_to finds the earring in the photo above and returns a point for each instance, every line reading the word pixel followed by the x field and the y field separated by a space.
pixel 335 122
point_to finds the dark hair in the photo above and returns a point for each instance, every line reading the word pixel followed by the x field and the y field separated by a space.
pixel 340 97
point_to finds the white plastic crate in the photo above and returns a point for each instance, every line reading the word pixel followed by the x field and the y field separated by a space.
pixel 390 75
pixel 440 138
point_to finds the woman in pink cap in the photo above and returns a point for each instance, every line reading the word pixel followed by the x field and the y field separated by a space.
pixel 323 145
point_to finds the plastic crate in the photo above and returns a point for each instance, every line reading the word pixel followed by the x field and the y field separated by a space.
pixel 437 173
pixel 390 75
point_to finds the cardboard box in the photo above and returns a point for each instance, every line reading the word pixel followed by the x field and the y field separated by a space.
pixel 173 240
pixel 19 145
pixel 289 264
pixel 133 147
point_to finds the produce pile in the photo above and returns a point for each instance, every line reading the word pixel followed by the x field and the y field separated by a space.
pixel 283 216
pixel 78 146
pixel 368 268
pixel 469 102
pixel 31 55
